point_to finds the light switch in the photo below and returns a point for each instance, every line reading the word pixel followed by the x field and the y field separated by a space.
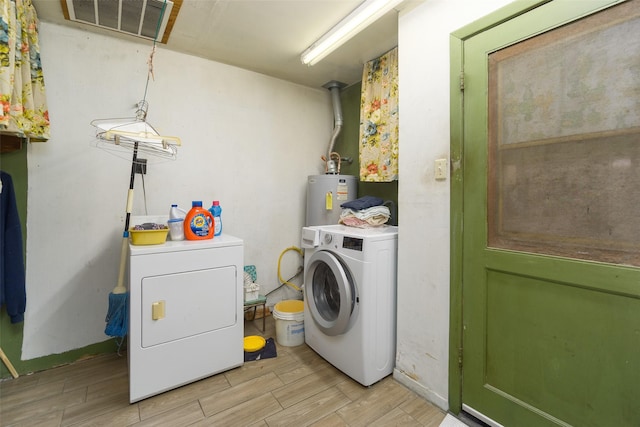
pixel 441 167
pixel 157 310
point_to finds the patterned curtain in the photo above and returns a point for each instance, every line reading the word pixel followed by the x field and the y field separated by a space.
pixel 379 119
pixel 23 103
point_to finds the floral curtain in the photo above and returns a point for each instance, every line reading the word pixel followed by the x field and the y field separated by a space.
pixel 23 103
pixel 379 119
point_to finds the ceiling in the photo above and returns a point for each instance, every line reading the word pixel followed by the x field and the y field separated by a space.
pixel 266 36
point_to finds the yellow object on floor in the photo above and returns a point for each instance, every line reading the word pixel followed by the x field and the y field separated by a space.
pixel 289 320
pixel 290 306
pixel 254 343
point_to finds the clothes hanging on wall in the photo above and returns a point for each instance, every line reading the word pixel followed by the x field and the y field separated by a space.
pixel 379 119
pixel 12 273
pixel 23 103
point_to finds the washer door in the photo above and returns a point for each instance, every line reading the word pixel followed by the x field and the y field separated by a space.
pixel 330 293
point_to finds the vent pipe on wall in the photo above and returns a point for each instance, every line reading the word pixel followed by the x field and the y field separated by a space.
pixel 334 87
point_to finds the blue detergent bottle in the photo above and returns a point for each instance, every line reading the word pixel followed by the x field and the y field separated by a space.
pixel 216 213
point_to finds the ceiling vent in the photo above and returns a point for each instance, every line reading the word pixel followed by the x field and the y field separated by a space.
pixel 140 18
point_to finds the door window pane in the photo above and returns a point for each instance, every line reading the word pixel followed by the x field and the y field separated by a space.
pixel 326 292
pixel 564 140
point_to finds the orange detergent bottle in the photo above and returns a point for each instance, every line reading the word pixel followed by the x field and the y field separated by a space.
pixel 198 224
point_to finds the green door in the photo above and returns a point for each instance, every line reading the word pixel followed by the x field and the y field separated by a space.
pixel 547 172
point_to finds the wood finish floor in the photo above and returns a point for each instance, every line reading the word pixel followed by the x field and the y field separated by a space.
pixel 297 388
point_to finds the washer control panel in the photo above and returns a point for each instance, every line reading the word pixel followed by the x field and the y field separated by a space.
pixel 352 243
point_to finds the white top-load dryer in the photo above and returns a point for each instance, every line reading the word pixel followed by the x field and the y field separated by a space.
pixel 186 312
pixel 350 298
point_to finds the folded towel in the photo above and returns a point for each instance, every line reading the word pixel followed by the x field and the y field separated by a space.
pixel 355 222
pixel 365 214
pixel 359 223
pixel 363 203
pixel 371 217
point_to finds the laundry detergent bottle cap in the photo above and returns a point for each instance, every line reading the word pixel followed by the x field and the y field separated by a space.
pixel 198 224
pixel 216 212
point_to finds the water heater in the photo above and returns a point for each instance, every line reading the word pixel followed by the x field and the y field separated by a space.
pixel 325 194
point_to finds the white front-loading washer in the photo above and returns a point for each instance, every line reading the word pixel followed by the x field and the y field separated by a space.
pixel 350 298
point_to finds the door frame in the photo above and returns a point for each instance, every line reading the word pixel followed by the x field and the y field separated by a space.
pixel 457 125
pixel 456 49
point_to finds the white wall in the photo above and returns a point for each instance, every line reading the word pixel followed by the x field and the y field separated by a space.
pixel 423 256
pixel 248 140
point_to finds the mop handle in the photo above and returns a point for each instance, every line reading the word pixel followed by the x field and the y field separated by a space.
pixel 132 178
pixel 120 289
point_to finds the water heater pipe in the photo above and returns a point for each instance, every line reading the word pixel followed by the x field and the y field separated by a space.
pixel 334 87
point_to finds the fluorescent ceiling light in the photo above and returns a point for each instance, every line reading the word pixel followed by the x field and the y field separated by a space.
pixel 352 24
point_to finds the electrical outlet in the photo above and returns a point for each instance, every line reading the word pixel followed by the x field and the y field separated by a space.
pixel 140 166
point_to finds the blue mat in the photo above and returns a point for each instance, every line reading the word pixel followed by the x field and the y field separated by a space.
pixel 267 352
